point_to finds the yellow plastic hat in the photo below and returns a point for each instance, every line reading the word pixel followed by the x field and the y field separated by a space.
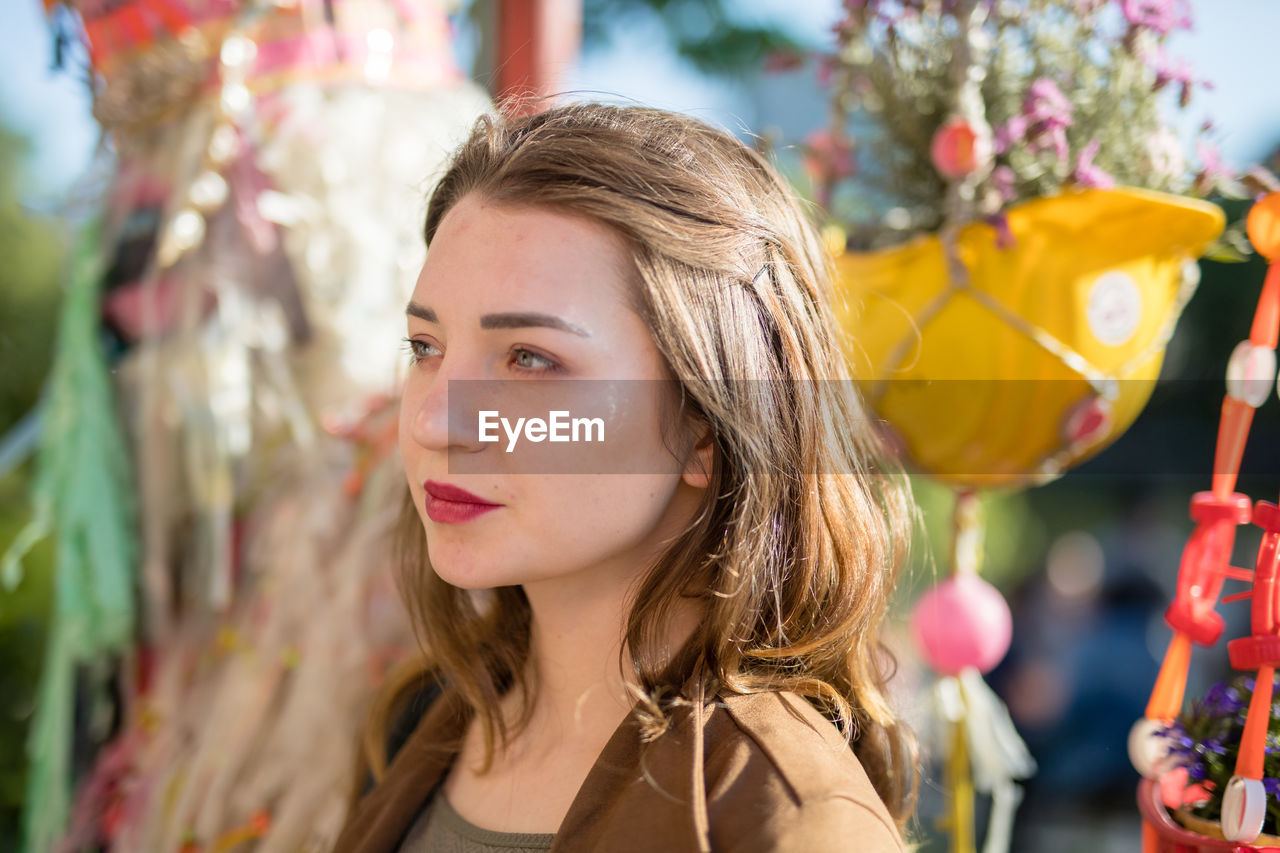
pixel 1046 353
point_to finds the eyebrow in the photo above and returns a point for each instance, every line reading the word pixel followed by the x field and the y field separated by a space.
pixel 509 320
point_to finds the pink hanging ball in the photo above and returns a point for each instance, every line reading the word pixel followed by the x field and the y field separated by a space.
pixel 958 151
pixel 963 621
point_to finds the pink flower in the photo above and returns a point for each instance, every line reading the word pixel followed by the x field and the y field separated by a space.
pixel 1014 131
pixel 1212 170
pixel 1173 71
pixel 1167 70
pixel 1045 116
pixel 1046 113
pixel 1056 137
pixel 1159 16
pixel 1004 180
pixel 1089 175
pixel 1210 157
pixel 1046 103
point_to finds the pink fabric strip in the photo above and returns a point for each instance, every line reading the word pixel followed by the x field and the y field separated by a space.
pixel 320 50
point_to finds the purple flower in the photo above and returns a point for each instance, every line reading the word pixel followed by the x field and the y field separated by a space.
pixel 1057 140
pixel 1211 161
pixel 1046 114
pixel 1089 175
pixel 1046 103
pixel 1178 71
pixel 1222 699
pixel 1004 235
pixel 1015 130
pixel 1272 786
pixel 1215 695
pixel 1003 179
pixel 1159 16
pixel 1213 170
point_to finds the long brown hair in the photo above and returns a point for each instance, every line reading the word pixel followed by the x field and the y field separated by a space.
pixel 807 517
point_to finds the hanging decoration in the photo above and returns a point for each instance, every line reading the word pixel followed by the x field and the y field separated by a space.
pixel 82 498
pixel 1016 236
pixel 1043 352
pixel 963 627
pixel 256 248
pixel 1241 802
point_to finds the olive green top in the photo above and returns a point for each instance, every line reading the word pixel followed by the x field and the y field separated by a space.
pixel 439 829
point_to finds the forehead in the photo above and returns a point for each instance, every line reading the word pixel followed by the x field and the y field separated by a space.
pixel 485 250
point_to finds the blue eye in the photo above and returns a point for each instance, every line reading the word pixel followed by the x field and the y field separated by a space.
pixel 418 350
pixel 529 361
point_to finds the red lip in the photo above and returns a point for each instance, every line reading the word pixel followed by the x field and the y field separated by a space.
pixel 451 505
pixel 445 492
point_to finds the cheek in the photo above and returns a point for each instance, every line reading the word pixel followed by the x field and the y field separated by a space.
pixel 594 515
pixel 636 442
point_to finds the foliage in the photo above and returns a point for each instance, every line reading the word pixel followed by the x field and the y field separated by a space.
pixel 1205 739
pixel 24 617
pixel 703 32
pixel 1048 94
pixel 28 292
pixel 29 298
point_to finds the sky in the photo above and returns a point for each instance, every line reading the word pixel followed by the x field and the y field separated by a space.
pixel 1235 44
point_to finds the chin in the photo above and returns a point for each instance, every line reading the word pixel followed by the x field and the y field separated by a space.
pixel 461 566
pixel 468 581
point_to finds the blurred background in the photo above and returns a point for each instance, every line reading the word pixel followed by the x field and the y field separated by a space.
pixel 1088 562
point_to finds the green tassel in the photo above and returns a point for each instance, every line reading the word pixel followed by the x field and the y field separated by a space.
pixel 49 751
pixel 83 487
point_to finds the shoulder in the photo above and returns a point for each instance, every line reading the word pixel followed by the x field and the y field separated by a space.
pixel 780 776
pixel 406 712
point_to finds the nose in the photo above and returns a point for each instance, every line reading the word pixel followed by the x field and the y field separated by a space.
pixel 432 422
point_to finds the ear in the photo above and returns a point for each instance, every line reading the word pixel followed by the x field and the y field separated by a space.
pixel 697 468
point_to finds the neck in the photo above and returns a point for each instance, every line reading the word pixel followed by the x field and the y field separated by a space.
pixel 574 650
pixel 583 684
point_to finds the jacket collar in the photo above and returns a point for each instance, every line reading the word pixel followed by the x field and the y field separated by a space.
pixel 626 768
pixel 382 817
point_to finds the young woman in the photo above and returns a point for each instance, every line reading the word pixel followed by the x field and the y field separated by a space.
pixel 672 644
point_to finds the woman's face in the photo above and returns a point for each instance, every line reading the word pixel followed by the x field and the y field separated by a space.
pixel 535 303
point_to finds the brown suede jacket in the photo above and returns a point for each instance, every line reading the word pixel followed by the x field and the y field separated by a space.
pixel 764 772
